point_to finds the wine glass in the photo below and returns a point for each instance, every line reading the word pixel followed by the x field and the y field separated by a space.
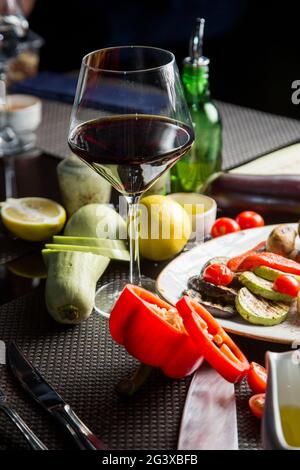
pixel 130 123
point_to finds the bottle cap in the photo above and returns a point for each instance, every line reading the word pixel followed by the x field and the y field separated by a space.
pixel 196 56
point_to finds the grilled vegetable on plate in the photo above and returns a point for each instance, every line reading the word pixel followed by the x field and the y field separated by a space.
pixel 218 310
pixel 262 288
pixel 260 311
pixel 211 291
pixel 266 308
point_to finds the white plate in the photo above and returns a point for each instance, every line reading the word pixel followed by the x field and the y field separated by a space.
pixel 173 280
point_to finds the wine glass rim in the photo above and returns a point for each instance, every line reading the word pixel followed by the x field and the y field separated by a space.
pixel 120 72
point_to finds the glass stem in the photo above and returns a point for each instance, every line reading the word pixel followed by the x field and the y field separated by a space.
pixel 2 98
pixel 134 268
pixel 9 176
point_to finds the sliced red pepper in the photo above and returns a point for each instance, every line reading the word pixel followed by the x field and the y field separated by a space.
pixel 235 262
pixel 271 260
pixel 144 325
pixel 213 342
pixel 257 378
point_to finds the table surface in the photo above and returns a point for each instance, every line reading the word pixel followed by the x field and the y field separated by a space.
pixel 82 362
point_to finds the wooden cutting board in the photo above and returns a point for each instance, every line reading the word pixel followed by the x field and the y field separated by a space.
pixel 285 161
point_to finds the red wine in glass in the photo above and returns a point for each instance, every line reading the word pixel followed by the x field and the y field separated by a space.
pixel 131 151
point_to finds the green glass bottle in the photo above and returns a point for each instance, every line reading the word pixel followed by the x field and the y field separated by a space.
pixel 205 158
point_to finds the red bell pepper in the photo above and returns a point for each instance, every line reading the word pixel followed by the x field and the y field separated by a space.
pixel 152 331
pixel 214 343
pixel 271 260
pixel 235 262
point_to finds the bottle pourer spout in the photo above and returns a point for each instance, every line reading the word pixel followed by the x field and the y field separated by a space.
pixel 196 42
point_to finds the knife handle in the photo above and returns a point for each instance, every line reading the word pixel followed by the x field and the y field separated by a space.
pixel 83 437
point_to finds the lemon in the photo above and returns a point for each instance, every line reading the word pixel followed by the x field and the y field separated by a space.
pixel 165 228
pixel 33 218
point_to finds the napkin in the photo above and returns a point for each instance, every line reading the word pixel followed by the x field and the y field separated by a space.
pixel 110 96
pixel 48 85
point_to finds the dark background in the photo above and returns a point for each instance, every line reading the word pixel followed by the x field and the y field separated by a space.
pixel 253 46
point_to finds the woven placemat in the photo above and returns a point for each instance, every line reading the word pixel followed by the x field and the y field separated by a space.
pixel 246 132
pixel 84 364
pixel 248 426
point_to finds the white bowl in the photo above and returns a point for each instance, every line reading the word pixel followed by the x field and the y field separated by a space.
pixel 24 113
pixel 201 222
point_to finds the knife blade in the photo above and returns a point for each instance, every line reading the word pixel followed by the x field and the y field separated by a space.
pixel 44 394
pixel 209 420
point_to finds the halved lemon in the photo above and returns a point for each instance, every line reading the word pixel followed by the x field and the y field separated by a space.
pixel 33 218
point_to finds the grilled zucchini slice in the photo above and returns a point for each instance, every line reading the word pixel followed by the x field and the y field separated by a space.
pixel 260 311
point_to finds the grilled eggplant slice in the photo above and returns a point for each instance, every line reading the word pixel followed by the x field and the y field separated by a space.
pixel 260 311
pixel 216 309
pixel 209 291
pixel 262 287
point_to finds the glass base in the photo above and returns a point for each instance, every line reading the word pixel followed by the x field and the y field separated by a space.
pixel 107 295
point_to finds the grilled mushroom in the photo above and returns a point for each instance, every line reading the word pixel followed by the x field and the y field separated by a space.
pixel 282 240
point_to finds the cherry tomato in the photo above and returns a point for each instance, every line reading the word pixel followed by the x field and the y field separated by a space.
pixel 249 219
pixel 256 404
pixel 287 285
pixel 223 226
pixel 218 274
pixel 257 378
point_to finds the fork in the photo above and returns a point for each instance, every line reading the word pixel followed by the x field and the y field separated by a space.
pixel 29 435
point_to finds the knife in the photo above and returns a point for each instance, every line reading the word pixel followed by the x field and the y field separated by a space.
pixel 209 420
pixel 34 383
